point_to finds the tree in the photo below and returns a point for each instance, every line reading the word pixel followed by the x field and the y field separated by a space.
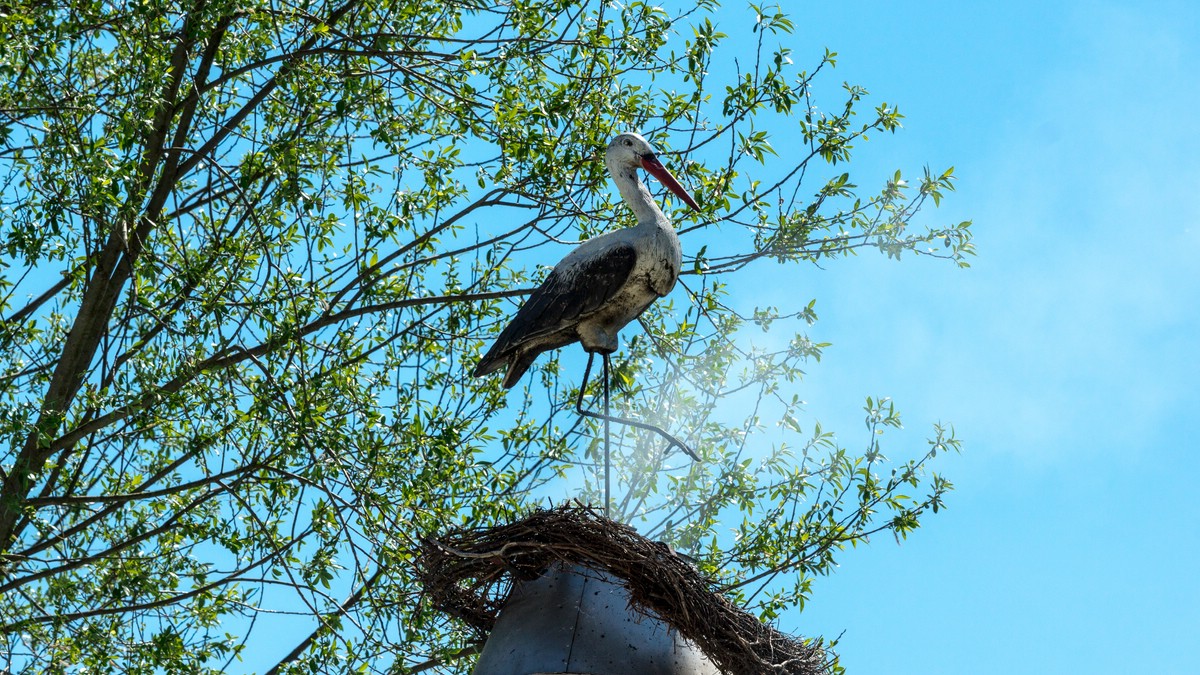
pixel 251 250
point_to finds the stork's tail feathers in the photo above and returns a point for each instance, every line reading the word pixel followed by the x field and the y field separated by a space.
pixel 488 365
pixel 517 366
pixel 518 363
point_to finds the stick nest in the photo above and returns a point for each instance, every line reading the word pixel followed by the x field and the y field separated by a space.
pixel 468 574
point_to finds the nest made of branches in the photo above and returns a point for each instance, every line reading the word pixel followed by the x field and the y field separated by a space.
pixel 468 573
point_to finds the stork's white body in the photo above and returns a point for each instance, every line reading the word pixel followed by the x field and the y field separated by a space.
pixel 606 282
pixel 655 271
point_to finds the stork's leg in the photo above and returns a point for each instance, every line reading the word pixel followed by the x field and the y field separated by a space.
pixel 621 420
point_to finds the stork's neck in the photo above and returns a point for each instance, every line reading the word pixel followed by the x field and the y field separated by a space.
pixel 637 196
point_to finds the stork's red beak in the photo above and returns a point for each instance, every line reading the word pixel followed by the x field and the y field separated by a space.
pixel 656 169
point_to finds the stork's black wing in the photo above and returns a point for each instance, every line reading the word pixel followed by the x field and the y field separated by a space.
pixel 568 293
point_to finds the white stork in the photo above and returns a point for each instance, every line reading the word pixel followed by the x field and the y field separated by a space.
pixel 603 284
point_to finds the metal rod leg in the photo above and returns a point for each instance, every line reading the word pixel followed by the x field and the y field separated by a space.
pixel 622 420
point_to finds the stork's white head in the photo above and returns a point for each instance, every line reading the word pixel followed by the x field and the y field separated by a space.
pixel 628 152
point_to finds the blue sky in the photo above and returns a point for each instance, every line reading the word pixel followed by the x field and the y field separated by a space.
pixel 1066 357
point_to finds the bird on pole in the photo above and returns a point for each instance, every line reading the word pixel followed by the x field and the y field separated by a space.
pixel 602 285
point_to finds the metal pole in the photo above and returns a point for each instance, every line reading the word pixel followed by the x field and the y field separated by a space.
pixel 607 457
